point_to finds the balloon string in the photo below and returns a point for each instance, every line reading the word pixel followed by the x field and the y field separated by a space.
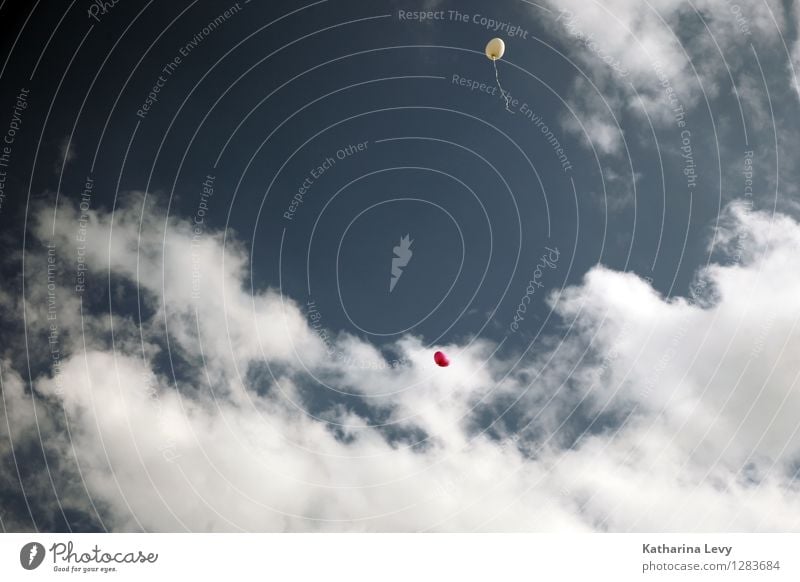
pixel 502 92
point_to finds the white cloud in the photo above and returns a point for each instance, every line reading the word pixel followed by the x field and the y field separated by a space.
pixel 793 67
pixel 702 396
pixel 630 49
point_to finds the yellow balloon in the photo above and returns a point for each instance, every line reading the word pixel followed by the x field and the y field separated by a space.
pixel 495 49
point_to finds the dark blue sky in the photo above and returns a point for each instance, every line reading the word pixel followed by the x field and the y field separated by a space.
pixel 272 102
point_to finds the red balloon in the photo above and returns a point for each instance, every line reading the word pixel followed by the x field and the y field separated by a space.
pixel 441 360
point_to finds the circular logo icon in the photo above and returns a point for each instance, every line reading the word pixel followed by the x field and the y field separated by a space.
pixel 31 555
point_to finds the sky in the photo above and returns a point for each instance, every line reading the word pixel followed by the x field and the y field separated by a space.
pixel 233 235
